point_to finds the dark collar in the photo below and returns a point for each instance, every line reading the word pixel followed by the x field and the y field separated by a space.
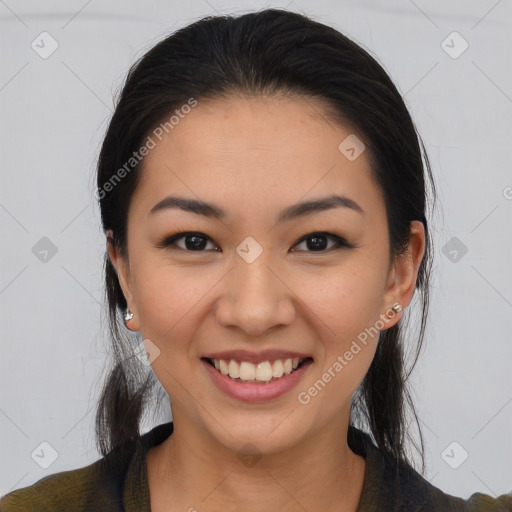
pixel 388 485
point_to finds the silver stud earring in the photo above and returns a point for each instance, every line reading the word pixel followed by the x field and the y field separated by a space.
pixel 396 307
pixel 128 315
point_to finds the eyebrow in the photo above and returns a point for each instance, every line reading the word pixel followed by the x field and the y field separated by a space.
pixel 292 212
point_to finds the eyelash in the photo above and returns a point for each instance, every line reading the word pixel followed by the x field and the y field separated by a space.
pixel 340 242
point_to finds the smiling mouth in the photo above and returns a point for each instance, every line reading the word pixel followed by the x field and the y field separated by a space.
pixel 261 373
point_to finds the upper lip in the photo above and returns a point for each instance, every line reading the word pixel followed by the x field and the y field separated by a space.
pixel 255 357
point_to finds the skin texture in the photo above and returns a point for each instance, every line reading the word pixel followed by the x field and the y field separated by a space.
pixel 253 157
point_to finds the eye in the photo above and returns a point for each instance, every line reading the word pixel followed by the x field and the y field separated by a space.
pixel 193 242
pixel 319 242
pixel 197 242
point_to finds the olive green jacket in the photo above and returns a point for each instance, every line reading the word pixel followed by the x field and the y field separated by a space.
pixel 118 482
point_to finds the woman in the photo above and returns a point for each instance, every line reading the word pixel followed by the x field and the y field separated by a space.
pixel 263 194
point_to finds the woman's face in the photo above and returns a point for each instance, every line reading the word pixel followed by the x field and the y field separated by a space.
pixel 253 279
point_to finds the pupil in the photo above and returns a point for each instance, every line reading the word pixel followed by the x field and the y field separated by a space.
pixel 202 242
pixel 316 245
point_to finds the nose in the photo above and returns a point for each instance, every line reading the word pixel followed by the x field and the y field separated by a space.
pixel 255 298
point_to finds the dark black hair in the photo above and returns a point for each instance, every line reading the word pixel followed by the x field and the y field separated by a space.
pixel 268 52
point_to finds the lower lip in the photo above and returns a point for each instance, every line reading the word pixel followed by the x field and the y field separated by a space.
pixel 252 392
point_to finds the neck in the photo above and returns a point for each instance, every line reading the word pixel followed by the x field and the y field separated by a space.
pixel 192 469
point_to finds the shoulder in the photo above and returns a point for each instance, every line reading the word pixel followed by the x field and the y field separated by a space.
pixel 397 487
pixel 110 483
pixel 417 494
pixel 95 487
pixel 482 502
pixel 68 490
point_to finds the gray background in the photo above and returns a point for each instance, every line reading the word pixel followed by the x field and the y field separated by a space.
pixel 54 112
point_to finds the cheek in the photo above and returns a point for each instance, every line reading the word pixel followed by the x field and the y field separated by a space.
pixel 168 299
pixel 346 299
pixel 169 304
pixel 345 308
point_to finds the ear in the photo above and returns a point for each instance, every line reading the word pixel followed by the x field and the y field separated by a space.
pixel 403 273
pixel 122 268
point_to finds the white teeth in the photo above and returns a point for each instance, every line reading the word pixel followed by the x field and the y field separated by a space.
pixel 234 370
pixel 223 367
pixel 263 371
pixel 247 370
pixel 277 369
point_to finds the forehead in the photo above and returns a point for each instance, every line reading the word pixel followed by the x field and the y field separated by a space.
pixel 277 149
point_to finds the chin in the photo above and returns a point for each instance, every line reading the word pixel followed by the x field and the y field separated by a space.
pixel 243 433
